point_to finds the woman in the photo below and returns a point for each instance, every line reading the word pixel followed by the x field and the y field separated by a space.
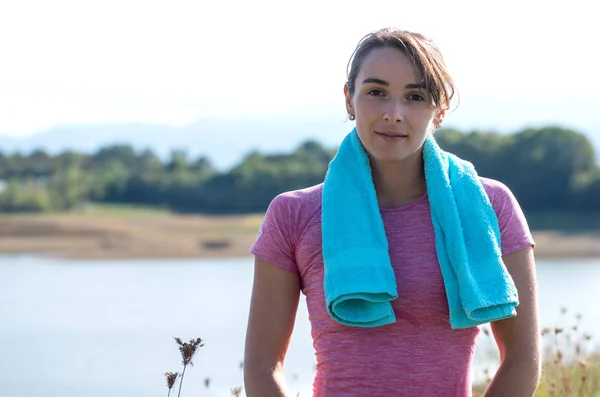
pixel 398 90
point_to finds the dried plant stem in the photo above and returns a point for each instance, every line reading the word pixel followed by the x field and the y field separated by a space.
pixel 171 379
pixel 181 380
pixel 187 350
pixel 582 386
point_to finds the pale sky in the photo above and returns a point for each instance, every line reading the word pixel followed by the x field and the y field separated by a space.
pixel 176 61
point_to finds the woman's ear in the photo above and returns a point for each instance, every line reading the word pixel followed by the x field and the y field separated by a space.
pixel 439 118
pixel 349 106
pixel 348 96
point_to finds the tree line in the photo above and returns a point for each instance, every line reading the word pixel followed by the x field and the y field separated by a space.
pixel 548 169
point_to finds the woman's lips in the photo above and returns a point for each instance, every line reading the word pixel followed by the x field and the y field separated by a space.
pixel 391 136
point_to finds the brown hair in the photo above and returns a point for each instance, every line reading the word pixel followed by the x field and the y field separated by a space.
pixel 424 53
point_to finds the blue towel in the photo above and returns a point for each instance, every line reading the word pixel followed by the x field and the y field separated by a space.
pixel 359 280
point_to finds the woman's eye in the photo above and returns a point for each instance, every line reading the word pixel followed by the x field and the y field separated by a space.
pixel 375 93
pixel 416 97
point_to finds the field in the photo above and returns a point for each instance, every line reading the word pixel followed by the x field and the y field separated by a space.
pixel 121 232
pixel 118 232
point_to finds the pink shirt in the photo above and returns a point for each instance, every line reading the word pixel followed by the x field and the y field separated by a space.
pixel 419 354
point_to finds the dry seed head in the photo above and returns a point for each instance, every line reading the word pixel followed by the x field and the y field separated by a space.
pixel 171 378
pixel 189 349
pixel 557 357
pixel 558 330
pixel 545 331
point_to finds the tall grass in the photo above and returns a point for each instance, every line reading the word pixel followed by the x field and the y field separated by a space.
pixel 571 363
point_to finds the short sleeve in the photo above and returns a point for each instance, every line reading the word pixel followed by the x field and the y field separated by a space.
pixel 274 242
pixel 514 230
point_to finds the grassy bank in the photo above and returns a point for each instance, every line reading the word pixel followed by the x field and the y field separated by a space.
pixel 121 232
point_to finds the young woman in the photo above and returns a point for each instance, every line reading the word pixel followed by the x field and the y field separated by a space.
pixel 398 90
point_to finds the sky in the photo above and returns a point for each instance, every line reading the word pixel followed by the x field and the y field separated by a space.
pixel 516 63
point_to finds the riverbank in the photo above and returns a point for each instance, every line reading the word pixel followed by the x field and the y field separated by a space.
pixel 117 233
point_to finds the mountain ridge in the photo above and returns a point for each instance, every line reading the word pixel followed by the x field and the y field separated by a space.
pixel 223 142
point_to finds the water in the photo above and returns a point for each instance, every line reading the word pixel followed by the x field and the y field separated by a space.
pixel 106 328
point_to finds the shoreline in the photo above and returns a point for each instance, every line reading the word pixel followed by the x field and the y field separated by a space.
pixel 100 236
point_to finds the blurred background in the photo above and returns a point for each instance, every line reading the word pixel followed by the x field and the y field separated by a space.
pixel 141 142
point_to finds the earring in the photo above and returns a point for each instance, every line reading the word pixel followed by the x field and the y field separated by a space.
pixel 351 117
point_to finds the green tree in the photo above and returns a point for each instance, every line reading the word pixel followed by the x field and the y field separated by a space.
pixel 69 188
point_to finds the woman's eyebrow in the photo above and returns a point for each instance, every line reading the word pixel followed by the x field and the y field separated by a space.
pixel 375 80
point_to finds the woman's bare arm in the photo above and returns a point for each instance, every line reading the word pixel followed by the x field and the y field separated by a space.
pixel 518 338
pixel 275 296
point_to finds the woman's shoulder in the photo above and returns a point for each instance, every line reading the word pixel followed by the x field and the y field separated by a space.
pixel 496 190
pixel 300 201
pixel 286 218
pixel 293 210
pixel 514 228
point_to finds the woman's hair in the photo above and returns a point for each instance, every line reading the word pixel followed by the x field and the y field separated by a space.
pixel 424 53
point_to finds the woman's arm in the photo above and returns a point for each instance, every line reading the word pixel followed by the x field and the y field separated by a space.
pixel 275 296
pixel 518 338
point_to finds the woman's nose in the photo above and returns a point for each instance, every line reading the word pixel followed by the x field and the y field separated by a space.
pixel 394 113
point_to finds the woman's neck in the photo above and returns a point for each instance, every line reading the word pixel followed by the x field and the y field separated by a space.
pixel 398 183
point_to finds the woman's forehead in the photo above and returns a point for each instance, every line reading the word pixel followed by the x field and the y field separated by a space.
pixel 390 65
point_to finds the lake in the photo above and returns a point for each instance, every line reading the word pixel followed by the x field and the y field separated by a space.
pixel 97 329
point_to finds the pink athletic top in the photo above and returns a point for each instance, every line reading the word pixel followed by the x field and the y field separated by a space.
pixel 419 354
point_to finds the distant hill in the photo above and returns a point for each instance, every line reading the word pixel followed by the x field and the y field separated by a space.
pixel 224 142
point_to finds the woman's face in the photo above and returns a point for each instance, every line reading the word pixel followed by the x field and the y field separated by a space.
pixel 393 112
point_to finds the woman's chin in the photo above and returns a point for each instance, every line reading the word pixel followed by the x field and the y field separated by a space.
pixel 391 157
pixel 390 152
